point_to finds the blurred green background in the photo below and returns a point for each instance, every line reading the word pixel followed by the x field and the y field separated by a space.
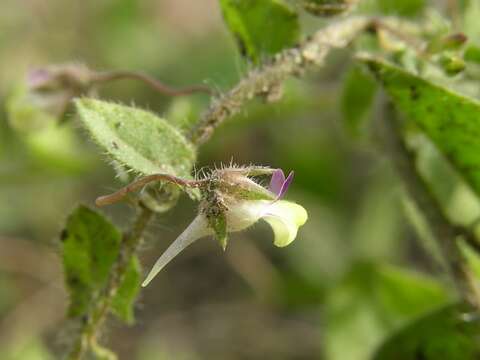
pixel 330 295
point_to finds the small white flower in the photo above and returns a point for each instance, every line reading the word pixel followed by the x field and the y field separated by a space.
pixel 245 202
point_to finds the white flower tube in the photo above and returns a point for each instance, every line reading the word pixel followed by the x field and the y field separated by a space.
pixel 284 217
pixel 197 229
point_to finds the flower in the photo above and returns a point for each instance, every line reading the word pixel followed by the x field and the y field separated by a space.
pixel 44 97
pixel 233 202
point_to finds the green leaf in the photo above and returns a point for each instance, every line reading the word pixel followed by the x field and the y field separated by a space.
pixel 261 27
pixel 137 139
pixel 371 301
pixel 57 148
pixel 472 54
pixel 219 225
pixel 183 112
pixel 26 348
pixel 90 246
pixel 127 292
pixel 28 112
pixel 357 97
pixel 450 120
pixel 402 8
pixel 450 333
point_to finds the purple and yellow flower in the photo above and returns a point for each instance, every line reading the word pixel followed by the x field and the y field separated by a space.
pixel 233 202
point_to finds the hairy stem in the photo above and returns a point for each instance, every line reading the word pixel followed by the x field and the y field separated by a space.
pixel 266 80
pixel 446 233
pixel 99 310
pixel 158 86
pixel 269 77
pixel 142 182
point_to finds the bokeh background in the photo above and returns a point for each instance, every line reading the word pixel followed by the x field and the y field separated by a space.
pixel 334 294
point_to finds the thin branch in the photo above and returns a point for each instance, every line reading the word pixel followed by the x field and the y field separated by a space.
pixel 267 78
pixel 158 86
pixel 140 183
pixel 446 233
pixel 99 310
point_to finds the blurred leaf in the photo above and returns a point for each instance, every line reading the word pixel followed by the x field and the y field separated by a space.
pixel 371 301
pixel 451 333
pixel 90 247
pixel 472 54
pixel 261 27
pixel 401 8
pixel 452 121
pixel 127 292
pixel 31 349
pixel 56 147
pixel 184 112
pixel 295 291
pixel 359 89
pixel 8 294
pixel 137 139
pixel 394 7
pixel 472 256
pixel 471 25
pixel 27 111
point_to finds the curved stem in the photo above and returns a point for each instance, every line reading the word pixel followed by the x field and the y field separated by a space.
pixel 267 79
pixel 140 183
pixel 99 310
pixel 108 76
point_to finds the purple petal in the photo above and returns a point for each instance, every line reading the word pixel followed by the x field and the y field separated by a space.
pixel 38 77
pixel 285 185
pixel 276 182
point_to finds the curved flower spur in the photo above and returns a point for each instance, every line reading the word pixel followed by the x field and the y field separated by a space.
pixel 231 200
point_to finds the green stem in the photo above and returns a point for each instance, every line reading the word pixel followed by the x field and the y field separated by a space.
pixel 95 318
pixel 266 80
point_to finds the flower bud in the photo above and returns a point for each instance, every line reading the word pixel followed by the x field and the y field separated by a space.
pixel 452 64
pixel 233 201
pixel 45 96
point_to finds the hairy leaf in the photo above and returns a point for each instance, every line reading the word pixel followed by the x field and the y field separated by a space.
pixel 137 139
pixel 90 246
pixel 261 27
pixel 127 292
pixel 450 120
